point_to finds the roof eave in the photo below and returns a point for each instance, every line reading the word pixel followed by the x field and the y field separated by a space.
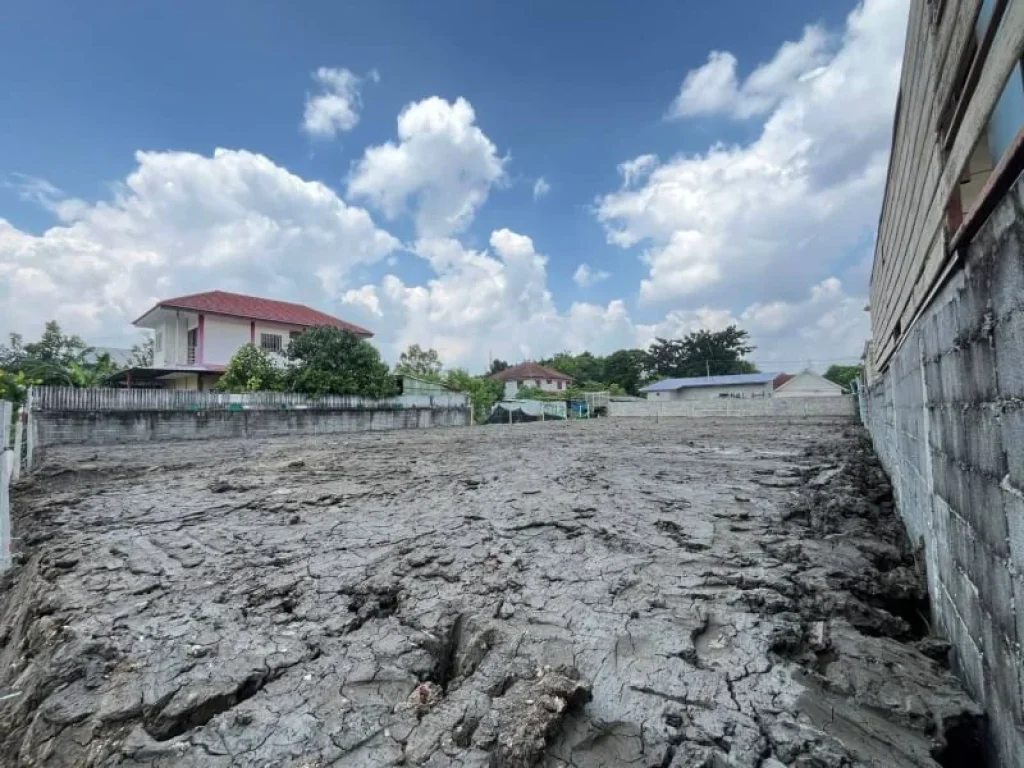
pixel 357 330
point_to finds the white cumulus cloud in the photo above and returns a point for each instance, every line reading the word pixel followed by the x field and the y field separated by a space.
pixel 776 214
pixel 334 108
pixel 714 87
pixel 441 169
pixel 180 223
pixel 496 303
pixel 585 276
pixel 485 303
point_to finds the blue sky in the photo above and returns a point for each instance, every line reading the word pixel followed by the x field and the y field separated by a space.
pixel 437 236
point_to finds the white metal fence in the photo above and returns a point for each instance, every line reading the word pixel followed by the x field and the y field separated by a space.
pixel 72 399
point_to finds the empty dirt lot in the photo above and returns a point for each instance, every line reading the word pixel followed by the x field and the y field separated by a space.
pixel 715 594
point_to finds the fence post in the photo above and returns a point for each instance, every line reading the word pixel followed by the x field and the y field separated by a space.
pixel 19 431
pixel 30 432
pixel 5 478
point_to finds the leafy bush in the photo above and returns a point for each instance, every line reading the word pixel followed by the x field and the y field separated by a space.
pixel 483 392
pixel 250 369
pixel 329 361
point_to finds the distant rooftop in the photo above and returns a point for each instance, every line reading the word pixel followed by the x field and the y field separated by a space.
pixel 668 385
pixel 530 370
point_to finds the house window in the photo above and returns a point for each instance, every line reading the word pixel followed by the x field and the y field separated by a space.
pixel 559 385
pixel 549 381
pixel 293 335
pixel 158 342
pixel 271 342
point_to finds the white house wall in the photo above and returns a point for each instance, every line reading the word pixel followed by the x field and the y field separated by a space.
pixel 222 337
pixel 284 331
pixel 808 385
pixel 174 340
pixel 713 393
pixel 512 386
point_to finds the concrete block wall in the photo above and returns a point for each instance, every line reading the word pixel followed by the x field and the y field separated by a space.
pixel 947 420
pixel 840 407
pixel 115 427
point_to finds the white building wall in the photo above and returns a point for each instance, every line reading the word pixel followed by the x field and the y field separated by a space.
pixel 714 393
pixel 173 333
pixel 222 337
pixel 809 385
pixel 284 331
pixel 513 386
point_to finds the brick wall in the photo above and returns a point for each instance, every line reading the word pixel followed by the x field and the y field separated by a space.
pixel 947 420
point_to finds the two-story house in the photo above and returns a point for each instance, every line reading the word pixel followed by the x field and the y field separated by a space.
pixel 195 336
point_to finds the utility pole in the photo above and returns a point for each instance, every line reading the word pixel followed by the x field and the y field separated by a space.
pixel 707 368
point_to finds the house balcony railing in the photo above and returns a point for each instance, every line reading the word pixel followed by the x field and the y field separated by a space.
pixel 190 356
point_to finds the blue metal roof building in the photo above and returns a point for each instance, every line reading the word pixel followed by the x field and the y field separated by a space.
pixel 710 381
pixel 733 380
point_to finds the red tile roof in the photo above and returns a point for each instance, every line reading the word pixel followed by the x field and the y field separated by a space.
pixel 530 370
pixel 781 379
pixel 255 308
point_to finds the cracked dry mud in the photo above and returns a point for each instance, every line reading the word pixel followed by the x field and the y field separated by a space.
pixel 592 594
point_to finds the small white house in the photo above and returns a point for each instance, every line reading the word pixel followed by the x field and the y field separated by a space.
pixel 532 376
pixel 806 384
pixel 195 336
pixel 742 385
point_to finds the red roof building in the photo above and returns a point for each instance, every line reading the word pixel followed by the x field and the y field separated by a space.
pixel 195 336
pixel 531 370
pixel 530 375
pixel 253 308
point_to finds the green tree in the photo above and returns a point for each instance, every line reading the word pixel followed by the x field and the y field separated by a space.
pixel 55 348
pixel 13 354
pixel 497 366
pixel 14 386
pixel 582 367
pixel 415 361
pixel 142 354
pixel 625 369
pixel 483 392
pixel 329 361
pixel 250 369
pixel 844 375
pixel 701 353
pixel 55 359
pixel 91 374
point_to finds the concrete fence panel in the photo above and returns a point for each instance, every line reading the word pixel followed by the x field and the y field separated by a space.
pixel 66 416
pixel 839 407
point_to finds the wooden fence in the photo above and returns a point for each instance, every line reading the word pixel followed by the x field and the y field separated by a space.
pixel 72 399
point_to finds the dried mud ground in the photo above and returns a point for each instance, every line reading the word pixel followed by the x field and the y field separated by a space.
pixel 730 593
